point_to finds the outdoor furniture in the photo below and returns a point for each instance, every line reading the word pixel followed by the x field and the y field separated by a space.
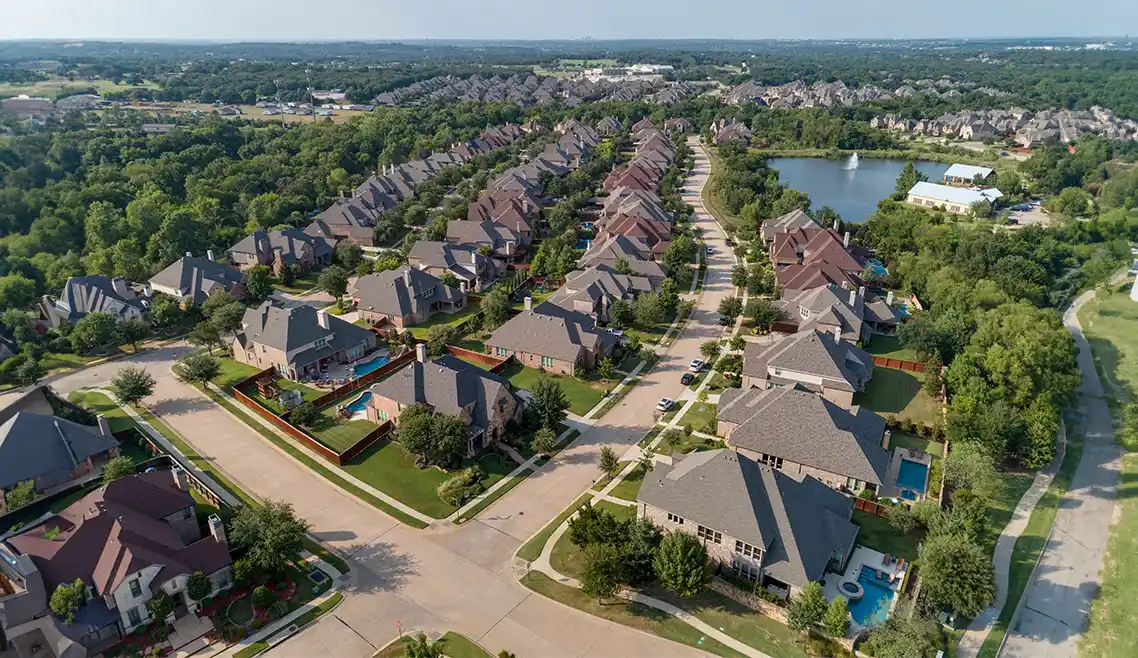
pixel 886 560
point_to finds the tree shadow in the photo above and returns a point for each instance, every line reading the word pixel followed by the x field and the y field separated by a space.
pixel 382 567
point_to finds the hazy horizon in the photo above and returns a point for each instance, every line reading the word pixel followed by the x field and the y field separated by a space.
pixel 529 20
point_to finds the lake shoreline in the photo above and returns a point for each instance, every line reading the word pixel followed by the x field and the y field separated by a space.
pixel 881 154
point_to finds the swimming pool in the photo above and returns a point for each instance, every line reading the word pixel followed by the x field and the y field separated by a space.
pixel 364 368
pixel 582 244
pixel 912 477
pixel 358 405
pixel 873 607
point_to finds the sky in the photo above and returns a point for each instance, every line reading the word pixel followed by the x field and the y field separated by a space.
pixel 322 20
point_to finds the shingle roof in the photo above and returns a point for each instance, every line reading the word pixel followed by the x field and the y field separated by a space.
pixel 805 428
pixel 449 385
pixel 792 220
pixel 800 524
pixel 395 292
pixel 290 329
pixel 198 277
pixel 839 363
pixel 291 242
pixel 560 336
pixel 96 293
pixel 34 444
pixel 463 260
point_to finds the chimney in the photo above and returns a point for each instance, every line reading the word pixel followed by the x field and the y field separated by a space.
pixel 322 319
pixel 217 529
pixel 529 303
pixel 104 426
pixel 421 352
pixel 407 277
pixel 861 291
pixel 846 241
pixel 209 254
pixel 836 224
pixel 189 254
pixel 889 299
pixel 853 297
pixel 837 333
pixel 462 285
pixel 181 480
pixel 509 247
pixel 473 257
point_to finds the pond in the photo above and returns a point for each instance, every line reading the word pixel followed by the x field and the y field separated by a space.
pixel 854 193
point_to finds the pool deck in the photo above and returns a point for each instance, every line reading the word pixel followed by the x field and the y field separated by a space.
pixel 866 558
pixel 890 489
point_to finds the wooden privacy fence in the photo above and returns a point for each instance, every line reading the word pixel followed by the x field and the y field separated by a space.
pixel 898 364
pixel 870 506
pixel 364 380
pixel 497 365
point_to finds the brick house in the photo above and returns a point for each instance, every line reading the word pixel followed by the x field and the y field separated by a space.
pixel 276 249
pixel 404 297
pixel 299 342
pixel 552 339
pixel 811 360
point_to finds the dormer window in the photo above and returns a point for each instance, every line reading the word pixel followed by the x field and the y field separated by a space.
pixel 320 342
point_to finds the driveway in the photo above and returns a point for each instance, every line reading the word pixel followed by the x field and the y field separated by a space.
pixel 1057 601
pixel 454 578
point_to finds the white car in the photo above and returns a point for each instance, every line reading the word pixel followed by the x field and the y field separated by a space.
pixel 614 331
pixel 665 404
pixel 696 365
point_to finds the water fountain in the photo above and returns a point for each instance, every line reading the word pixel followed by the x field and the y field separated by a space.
pixel 852 164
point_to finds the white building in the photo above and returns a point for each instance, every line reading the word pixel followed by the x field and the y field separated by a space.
pixel 953 199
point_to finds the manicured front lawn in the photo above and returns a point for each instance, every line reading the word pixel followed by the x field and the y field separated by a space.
pixel 567 558
pixel 701 417
pixel 300 284
pixel 890 348
pixel 59 360
pixel 899 393
pixel 876 533
pixel 627 488
pixel 423 328
pixel 98 403
pixel 582 396
pixel 689 443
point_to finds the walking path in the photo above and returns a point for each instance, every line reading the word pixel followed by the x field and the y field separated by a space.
pixel 1057 601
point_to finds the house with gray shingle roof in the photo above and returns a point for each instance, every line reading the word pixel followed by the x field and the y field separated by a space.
pixel 553 339
pixel 756 521
pixel 404 297
pixel 193 279
pixel 795 219
pixel 803 434
pixel 448 385
pixel 276 249
pixel 463 261
pixel 832 307
pixel 300 342
pixel 595 290
pixel 811 360
pixel 95 293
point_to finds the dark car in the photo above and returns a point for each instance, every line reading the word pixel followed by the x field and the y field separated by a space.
pixel 723 321
pixel 687 378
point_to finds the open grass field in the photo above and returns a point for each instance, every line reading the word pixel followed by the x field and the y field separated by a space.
pixel 1110 322
pixel 62 87
pixel 583 395
pixel 899 393
pixel 248 113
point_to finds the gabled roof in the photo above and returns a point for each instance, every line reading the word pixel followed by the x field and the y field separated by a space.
pixel 549 331
pixel 96 293
pixel 197 278
pixel 393 291
pixel 792 278
pixel 799 524
pixel 794 219
pixel 813 246
pixel 805 428
pixel 585 290
pixel 117 530
pixel 838 363
pixel 967 171
pixel 34 444
pixel 448 385
pixel 499 237
pixel 291 242
pixel 463 260
pixel 964 196
pixel 289 329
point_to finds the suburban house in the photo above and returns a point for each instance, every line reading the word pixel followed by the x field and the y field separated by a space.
pixel 635 252
pixel 448 385
pixel 833 307
pixel 965 175
pixel 553 339
pixel 463 261
pixel 94 293
pixel 346 219
pixel 803 434
pixel 757 522
pixel 276 249
pixel 51 452
pixel 724 131
pixel 609 126
pixel 595 290
pixel 957 200
pixel 300 342
pixel 191 280
pixel 404 297
pixel 127 541
pixel 811 360
pixel 791 221
pixel 504 242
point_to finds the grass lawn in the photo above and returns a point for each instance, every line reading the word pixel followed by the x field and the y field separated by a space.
pixel 633 615
pixel 689 443
pixel 890 348
pixel 531 550
pixel 492 498
pixel 630 485
pixel 300 284
pixel 60 361
pixel 1011 488
pixel 101 404
pixel 701 417
pixel 899 439
pixel 537 297
pixel 337 433
pixel 898 392
pixel 582 395
pixel 567 558
pixel 453 646
pixel 603 481
pixel 423 328
pixel 233 372
pixel 1111 326
pixel 876 533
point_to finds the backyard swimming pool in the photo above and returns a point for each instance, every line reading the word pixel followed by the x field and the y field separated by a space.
pixel 873 607
pixel 357 405
pixel 364 368
pixel 912 479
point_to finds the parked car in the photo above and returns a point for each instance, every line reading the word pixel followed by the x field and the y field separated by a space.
pixel 614 331
pixel 696 365
pixel 687 378
pixel 665 404
pixel 1021 207
pixel 730 242
pixel 710 251
pixel 723 321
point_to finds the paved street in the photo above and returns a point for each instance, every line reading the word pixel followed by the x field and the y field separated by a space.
pixel 459 579
pixel 1057 602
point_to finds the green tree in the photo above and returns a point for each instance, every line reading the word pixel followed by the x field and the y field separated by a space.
pixel 673 437
pixel 610 463
pixel 304 415
pixel 731 307
pixel 679 254
pixel 682 564
pixel 334 281
pixel 1042 428
pixel 648 310
pixel 969 466
pixel 160 606
pixel 198 368
pixel 16 291
pixel 197 586
pixel 164 310
pixel 29 372
pixel 622 314
pixel 206 334
pixel 909 177
pixel 420 647
pixel 958 573
pixel 807 608
pixel 904 636
pixel 349 254
pixel 495 308
pixel 21 495
pixel 439 336
pixel 762 313
pixel 19 323
pixel 271 534
pixel 669 297
pixel 602 574
pixel 549 402
pixel 739 276
pixel 710 349
pixel 258 283
pixel 544 441
pixel 737 343
pixel 67 598
pixel 132 330
pixel 263 597
pixel 116 468
pixel 622 265
pixel 837 617
pixel 338 181
pixel 605 369
pixel 91 331
pixel 980 209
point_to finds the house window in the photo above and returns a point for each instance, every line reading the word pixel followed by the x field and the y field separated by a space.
pixel 135 588
pixel 500 351
pixel 743 548
pixel 708 534
pixel 133 616
pixel 320 342
pixel 381 413
pixel 546 362
pixel 678 520
pixel 188 513
pixel 772 461
pixel 744 569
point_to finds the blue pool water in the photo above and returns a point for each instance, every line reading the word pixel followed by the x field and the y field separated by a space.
pixel 358 404
pixel 873 607
pixel 365 368
pixel 911 476
pixel 582 244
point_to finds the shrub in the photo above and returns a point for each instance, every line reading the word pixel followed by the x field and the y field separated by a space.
pixel 461 487
pixel 263 597
pixel 278 609
pixel 867 494
pixel 160 633
pixel 282 586
pixel 257 624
